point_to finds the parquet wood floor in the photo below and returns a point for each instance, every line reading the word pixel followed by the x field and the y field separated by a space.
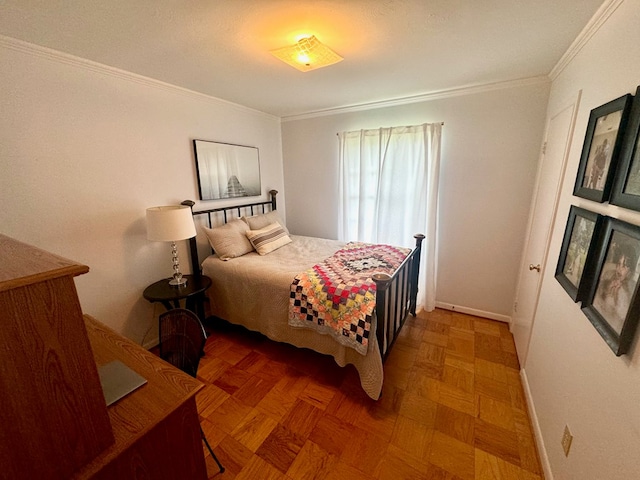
pixel 452 408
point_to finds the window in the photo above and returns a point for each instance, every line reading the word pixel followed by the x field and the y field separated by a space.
pixel 388 190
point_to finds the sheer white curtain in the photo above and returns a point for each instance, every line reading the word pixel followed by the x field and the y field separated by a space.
pixel 389 192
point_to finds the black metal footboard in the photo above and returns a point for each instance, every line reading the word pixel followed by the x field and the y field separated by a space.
pixel 396 298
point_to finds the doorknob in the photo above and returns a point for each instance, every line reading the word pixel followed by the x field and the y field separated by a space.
pixel 534 267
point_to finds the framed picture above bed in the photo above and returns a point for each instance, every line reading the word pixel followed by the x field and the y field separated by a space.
pixel 601 149
pixel 626 185
pixel 580 237
pixel 612 303
pixel 225 170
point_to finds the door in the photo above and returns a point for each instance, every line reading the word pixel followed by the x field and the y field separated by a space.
pixel 550 177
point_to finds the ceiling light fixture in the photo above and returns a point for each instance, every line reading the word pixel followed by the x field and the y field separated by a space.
pixel 307 54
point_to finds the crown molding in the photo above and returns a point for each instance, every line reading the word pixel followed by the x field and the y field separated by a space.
pixel 590 29
pixel 106 70
pixel 425 97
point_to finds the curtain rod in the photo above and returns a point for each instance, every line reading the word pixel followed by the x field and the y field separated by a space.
pixel 441 123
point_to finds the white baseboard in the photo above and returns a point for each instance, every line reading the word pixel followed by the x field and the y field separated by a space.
pixel 542 451
pixel 472 311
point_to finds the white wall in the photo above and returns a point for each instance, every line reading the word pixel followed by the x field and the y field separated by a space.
pixel 85 149
pixel 573 376
pixel 491 142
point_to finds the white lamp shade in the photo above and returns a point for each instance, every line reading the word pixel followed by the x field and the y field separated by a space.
pixel 170 223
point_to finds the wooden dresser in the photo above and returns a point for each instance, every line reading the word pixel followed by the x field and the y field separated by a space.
pixel 55 422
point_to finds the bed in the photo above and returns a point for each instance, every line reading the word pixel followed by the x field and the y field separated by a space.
pixel 255 290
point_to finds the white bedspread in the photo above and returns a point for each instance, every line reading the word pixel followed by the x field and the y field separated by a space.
pixel 253 291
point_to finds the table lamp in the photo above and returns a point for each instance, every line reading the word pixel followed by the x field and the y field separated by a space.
pixel 170 224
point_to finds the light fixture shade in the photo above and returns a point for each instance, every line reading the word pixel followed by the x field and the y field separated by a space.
pixel 170 223
pixel 308 54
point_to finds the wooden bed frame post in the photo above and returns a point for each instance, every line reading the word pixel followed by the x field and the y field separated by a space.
pixel 382 281
pixel 272 194
pixel 415 271
pixel 193 245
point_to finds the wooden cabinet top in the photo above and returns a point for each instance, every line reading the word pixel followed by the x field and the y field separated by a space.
pixel 54 418
pixel 24 264
pixel 167 388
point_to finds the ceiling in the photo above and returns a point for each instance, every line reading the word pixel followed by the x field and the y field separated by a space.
pixel 392 49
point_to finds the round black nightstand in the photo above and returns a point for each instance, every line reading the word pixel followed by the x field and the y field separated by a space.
pixel 170 296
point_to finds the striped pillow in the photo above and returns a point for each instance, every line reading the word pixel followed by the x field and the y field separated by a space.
pixel 269 238
pixel 263 220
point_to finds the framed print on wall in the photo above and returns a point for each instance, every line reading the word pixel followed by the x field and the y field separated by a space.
pixel 626 185
pixel 580 238
pixel 612 303
pixel 226 171
pixel 601 148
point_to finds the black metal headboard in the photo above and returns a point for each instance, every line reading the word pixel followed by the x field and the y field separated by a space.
pixel 246 208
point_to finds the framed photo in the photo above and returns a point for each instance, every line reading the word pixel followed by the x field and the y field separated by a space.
pixel 612 303
pixel 226 171
pixel 580 239
pixel 626 184
pixel 601 149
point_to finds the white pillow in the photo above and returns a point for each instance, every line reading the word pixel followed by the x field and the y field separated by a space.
pixel 229 240
pixel 260 221
pixel 269 238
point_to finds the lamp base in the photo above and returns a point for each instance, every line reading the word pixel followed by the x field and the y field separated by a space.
pixel 178 282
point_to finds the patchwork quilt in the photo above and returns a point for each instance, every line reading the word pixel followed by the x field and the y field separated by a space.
pixel 337 297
